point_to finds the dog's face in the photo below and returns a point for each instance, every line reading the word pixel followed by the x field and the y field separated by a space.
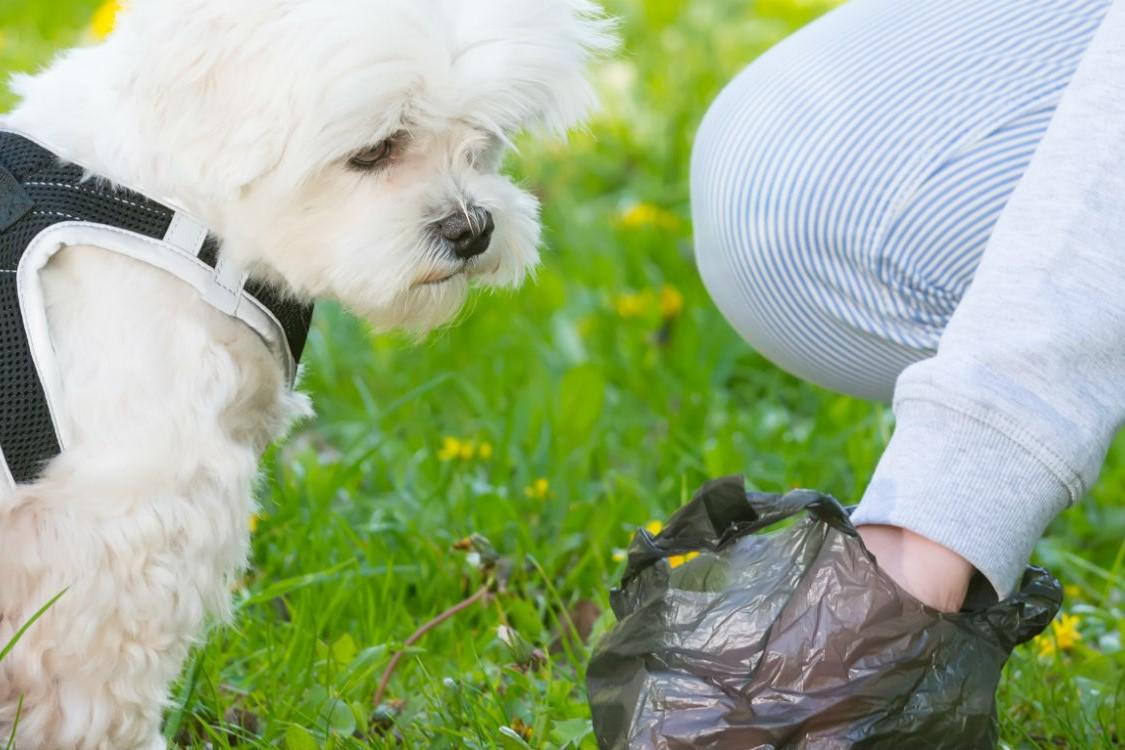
pixel 355 144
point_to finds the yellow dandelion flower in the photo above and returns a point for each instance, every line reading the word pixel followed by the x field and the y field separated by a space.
pixel 654 527
pixel 1063 635
pixel 1071 591
pixel 539 489
pixel 676 561
pixel 522 729
pixel 1065 630
pixel 105 19
pixel 633 305
pixel 644 215
pixel 455 449
pixel 671 301
pixel 450 449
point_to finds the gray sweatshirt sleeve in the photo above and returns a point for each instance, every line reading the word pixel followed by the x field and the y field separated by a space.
pixel 1010 422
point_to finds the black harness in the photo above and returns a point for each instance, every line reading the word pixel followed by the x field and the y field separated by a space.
pixel 46 204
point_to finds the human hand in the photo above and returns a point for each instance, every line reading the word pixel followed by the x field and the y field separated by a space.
pixel 931 573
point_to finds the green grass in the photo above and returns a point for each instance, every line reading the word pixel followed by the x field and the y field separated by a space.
pixel 622 415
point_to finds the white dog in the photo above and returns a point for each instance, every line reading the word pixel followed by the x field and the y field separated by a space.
pixel 339 148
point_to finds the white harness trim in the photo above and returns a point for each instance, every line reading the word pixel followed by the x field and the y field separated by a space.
pixel 178 252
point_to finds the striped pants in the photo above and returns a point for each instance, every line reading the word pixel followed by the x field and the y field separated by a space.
pixel 844 186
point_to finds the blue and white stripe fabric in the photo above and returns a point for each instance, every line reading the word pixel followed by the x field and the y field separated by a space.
pixel 846 183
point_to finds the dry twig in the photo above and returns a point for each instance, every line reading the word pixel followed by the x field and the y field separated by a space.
pixel 456 609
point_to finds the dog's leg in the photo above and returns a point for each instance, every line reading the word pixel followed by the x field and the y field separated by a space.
pixel 136 584
pixel 143 520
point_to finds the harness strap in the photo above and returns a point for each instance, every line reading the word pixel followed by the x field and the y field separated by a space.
pixel 39 192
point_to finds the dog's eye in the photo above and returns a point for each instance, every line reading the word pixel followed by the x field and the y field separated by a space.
pixel 374 156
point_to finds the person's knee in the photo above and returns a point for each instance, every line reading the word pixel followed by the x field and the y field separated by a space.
pixel 784 271
pixel 745 207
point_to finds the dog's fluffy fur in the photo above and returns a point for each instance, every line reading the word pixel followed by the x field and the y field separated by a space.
pixel 245 114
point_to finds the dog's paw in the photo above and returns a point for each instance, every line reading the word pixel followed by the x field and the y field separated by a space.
pixel 157 743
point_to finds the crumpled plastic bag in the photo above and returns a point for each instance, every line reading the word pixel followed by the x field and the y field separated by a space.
pixel 795 639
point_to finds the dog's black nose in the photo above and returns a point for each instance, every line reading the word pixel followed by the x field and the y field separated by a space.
pixel 468 233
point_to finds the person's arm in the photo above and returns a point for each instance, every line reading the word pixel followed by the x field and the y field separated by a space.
pixel 1011 420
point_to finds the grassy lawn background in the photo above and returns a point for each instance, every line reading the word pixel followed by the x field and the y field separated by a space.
pixel 554 421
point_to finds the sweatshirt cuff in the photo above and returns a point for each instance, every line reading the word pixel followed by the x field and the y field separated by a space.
pixel 965 484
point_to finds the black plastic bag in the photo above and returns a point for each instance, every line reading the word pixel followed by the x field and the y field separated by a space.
pixel 795 639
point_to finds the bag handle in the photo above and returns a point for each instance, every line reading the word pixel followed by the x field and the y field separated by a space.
pixel 723 510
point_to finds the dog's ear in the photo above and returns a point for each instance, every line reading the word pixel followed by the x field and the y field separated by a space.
pixel 200 91
pixel 228 147
pixel 577 33
pixel 546 47
pixel 592 35
pixel 226 136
